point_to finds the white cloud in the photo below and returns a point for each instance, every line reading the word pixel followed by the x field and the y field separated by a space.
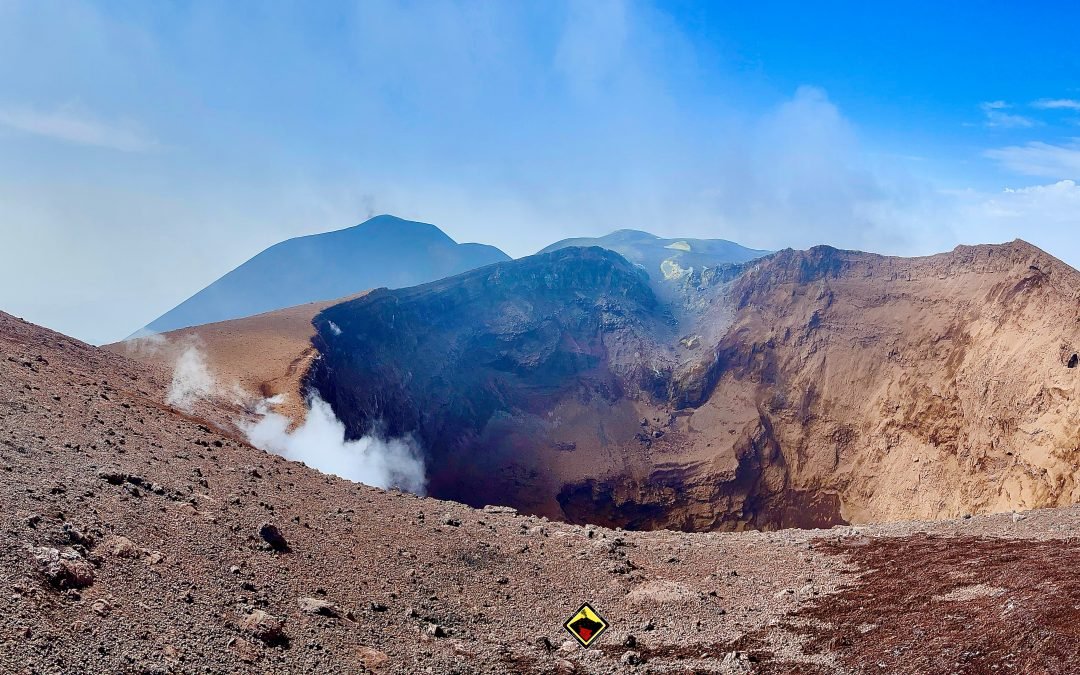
pixel 593 42
pixel 799 177
pixel 996 116
pixel 1057 104
pixel 1038 158
pixel 81 128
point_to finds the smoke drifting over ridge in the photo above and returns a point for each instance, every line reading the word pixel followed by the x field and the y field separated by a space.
pixel 320 443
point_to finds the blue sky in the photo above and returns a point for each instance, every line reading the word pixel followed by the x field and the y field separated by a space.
pixel 147 148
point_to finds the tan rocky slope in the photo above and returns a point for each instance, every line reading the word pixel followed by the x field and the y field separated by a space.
pixel 806 388
pixel 909 388
pixel 261 356
pixel 138 539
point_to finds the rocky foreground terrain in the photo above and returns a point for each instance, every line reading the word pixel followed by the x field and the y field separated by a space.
pixel 136 538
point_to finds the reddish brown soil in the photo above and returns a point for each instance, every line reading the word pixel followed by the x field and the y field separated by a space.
pixel 933 604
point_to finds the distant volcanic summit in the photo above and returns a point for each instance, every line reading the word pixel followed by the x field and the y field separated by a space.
pixel 383 251
pixel 665 259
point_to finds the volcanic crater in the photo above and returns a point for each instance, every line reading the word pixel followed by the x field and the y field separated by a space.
pixel 802 389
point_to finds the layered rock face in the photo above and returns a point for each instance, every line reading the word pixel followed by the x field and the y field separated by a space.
pixel 802 389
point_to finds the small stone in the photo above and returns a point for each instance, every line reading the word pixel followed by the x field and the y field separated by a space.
pixel 1017 517
pixel 264 626
pixel 435 630
pixel 101 607
pixel 630 658
pixel 121 547
pixel 372 659
pixel 270 534
pixel 112 477
pixel 630 642
pixel 564 667
pixel 75 537
pixel 155 558
pixel 502 581
pixel 318 607
pixel 235 569
pixel 246 651
pixel 735 663
pixel 449 520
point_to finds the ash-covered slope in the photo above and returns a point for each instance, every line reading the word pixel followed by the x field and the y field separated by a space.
pixel 383 251
pixel 804 388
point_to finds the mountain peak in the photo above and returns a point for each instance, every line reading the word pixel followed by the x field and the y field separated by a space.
pixel 382 251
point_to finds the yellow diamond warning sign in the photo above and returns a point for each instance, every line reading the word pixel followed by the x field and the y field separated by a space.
pixel 586 625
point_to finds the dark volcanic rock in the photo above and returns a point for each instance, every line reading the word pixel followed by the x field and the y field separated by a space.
pixel 270 534
pixel 451 361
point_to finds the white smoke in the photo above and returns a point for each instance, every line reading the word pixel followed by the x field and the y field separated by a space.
pixel 320 443
pixel 191 379
pixel 334 328
pixel 145 344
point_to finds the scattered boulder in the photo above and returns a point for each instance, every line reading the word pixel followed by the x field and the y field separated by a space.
pixel 447 519
pixel 435 630
pixel 630 658
pixel 63 569
pixel 270 534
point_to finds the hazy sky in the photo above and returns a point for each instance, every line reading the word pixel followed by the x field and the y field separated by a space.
pixel 148 147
